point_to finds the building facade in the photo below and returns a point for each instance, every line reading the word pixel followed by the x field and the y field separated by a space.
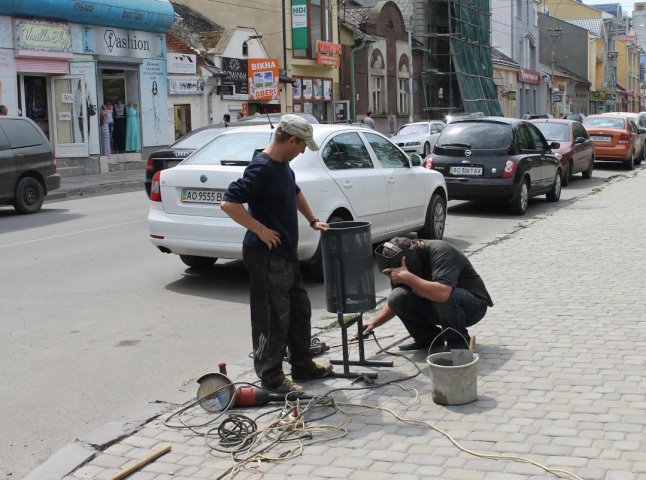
pixel 60 67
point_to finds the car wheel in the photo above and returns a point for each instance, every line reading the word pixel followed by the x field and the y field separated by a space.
pixel 519 203
pixel 630 164
pixel 555 192
pixel 435 219
pixel 427 149
pixel 588 173
pixel 314 267
pixel 567 178
pixel 197 262
pixel 29 195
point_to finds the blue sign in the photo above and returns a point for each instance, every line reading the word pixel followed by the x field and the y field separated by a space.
pixel 557 98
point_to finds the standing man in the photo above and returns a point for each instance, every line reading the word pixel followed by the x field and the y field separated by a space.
pixel 434 287
pixel 280 306
pixel 368 121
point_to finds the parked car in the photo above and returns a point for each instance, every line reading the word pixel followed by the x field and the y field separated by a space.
pixel 579 117
pixel 417 137
pixel 576 152
pixel 173 154
pixel 452 117
pixel 497 158
pixel 358 174
pixel 275 117
pixel 640 123
pixel 615 137
pixel 27 165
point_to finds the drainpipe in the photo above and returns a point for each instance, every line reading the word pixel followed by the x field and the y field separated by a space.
pixel 209 102
pixel 353 97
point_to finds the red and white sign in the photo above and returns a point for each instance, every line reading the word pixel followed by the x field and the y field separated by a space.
pixel 181 63
pixel 263 78
pixel 328 53
pixel 526 75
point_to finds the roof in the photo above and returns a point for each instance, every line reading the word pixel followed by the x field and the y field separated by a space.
pixel 593 25
pixel 196 30
pixel 355 16
pixel 611 8
pixel 498 57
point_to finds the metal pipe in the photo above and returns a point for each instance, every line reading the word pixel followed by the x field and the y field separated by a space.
pixel 353 97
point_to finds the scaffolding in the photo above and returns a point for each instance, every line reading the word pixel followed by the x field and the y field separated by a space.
pixel 457 71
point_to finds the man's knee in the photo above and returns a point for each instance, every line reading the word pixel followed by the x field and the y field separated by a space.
pixel 398 299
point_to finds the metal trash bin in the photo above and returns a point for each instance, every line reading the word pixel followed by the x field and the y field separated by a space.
pixel 347 255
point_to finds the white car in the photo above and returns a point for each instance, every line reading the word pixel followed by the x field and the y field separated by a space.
pixel 418 137
pixel 358 174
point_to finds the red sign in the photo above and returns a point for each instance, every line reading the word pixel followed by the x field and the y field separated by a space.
pixel 263 78
pixel 526 75
pixel 328 53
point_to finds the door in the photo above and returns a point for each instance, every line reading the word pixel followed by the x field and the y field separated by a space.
pixel 352 169
pixel 70 116
pixel 7 166
pixel 407 194
pixel 548 162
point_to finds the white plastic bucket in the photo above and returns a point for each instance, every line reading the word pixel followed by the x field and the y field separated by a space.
pixel 452 385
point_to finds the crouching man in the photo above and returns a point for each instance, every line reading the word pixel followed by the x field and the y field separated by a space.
pixel 434 286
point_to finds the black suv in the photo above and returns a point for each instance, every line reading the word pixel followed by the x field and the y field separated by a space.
pixel 27 165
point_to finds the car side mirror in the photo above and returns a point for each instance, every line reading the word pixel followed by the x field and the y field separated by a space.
pixel 579 140
pixel 555 145
pixel 641 130
pixel 415 160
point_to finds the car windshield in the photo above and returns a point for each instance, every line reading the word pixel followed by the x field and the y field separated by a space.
pixel 477 135
pixel 554 131
pixel 413 129
pixel 604 122
pixel 199 138
pixel 234 147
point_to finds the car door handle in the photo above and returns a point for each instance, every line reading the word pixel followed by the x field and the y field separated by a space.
pixel 347 185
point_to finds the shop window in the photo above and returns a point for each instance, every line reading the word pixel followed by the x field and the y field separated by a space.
pixel 182 116
pixel 403 100
pixel 319 22
pixel 377 93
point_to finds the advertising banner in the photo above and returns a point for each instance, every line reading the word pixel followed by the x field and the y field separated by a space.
pixel 299 24
pixel 43 36
pixel 236 69
pixel 263 78
pixel 328 53
pixel 154 99
pixel 116 42
pixel 181 63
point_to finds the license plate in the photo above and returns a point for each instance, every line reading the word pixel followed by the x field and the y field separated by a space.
pixel 465 171
pixel 597 138
pixel 202 196
pixel 172 163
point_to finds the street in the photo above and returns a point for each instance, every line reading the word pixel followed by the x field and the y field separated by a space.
pixel 96 322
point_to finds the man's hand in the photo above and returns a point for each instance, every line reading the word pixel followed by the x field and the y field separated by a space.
pixel 270 237
pixel 320 226
pixel 400 275
pixel 368 327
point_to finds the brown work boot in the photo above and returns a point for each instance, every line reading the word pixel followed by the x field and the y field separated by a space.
pixel 319 370
pixel 287 386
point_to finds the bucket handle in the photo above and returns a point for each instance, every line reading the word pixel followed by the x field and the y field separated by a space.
pixel 442 333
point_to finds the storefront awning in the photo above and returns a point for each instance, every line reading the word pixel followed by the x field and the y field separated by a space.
pixel 146 15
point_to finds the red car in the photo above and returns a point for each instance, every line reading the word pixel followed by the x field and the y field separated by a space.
pixel 615 137
pixel 576 152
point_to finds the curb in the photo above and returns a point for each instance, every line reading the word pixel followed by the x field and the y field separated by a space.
pixel 95 190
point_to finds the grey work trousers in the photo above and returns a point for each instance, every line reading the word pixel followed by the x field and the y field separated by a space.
pixel 280 315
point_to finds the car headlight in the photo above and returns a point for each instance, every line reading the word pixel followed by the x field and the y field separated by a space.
pixel 412 144
pixel 558 155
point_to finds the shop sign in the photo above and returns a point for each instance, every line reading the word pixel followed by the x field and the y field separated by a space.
pixel 117 42
pixel 182 63
pixel 50 37
pixel 185 87
pixel 67 98
pixel 511 95
pixel 299 24
pixel 236 70
pixel 65 116
pixel 263 78
pixel 328 53
pixel 557 98
pixel 526 75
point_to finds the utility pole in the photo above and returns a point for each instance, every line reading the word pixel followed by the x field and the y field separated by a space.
pixel 555 32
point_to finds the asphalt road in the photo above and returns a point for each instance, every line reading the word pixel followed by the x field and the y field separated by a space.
pixel 95 322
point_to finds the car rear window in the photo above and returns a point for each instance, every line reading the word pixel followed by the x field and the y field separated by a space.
pixel 199 138
pixel 554 131
pixel 475 135
pixel 235 148
pixel 604 122
pixel 22 134
pixel 412 129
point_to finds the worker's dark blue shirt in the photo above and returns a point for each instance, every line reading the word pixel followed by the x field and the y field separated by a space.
pixel 269 189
